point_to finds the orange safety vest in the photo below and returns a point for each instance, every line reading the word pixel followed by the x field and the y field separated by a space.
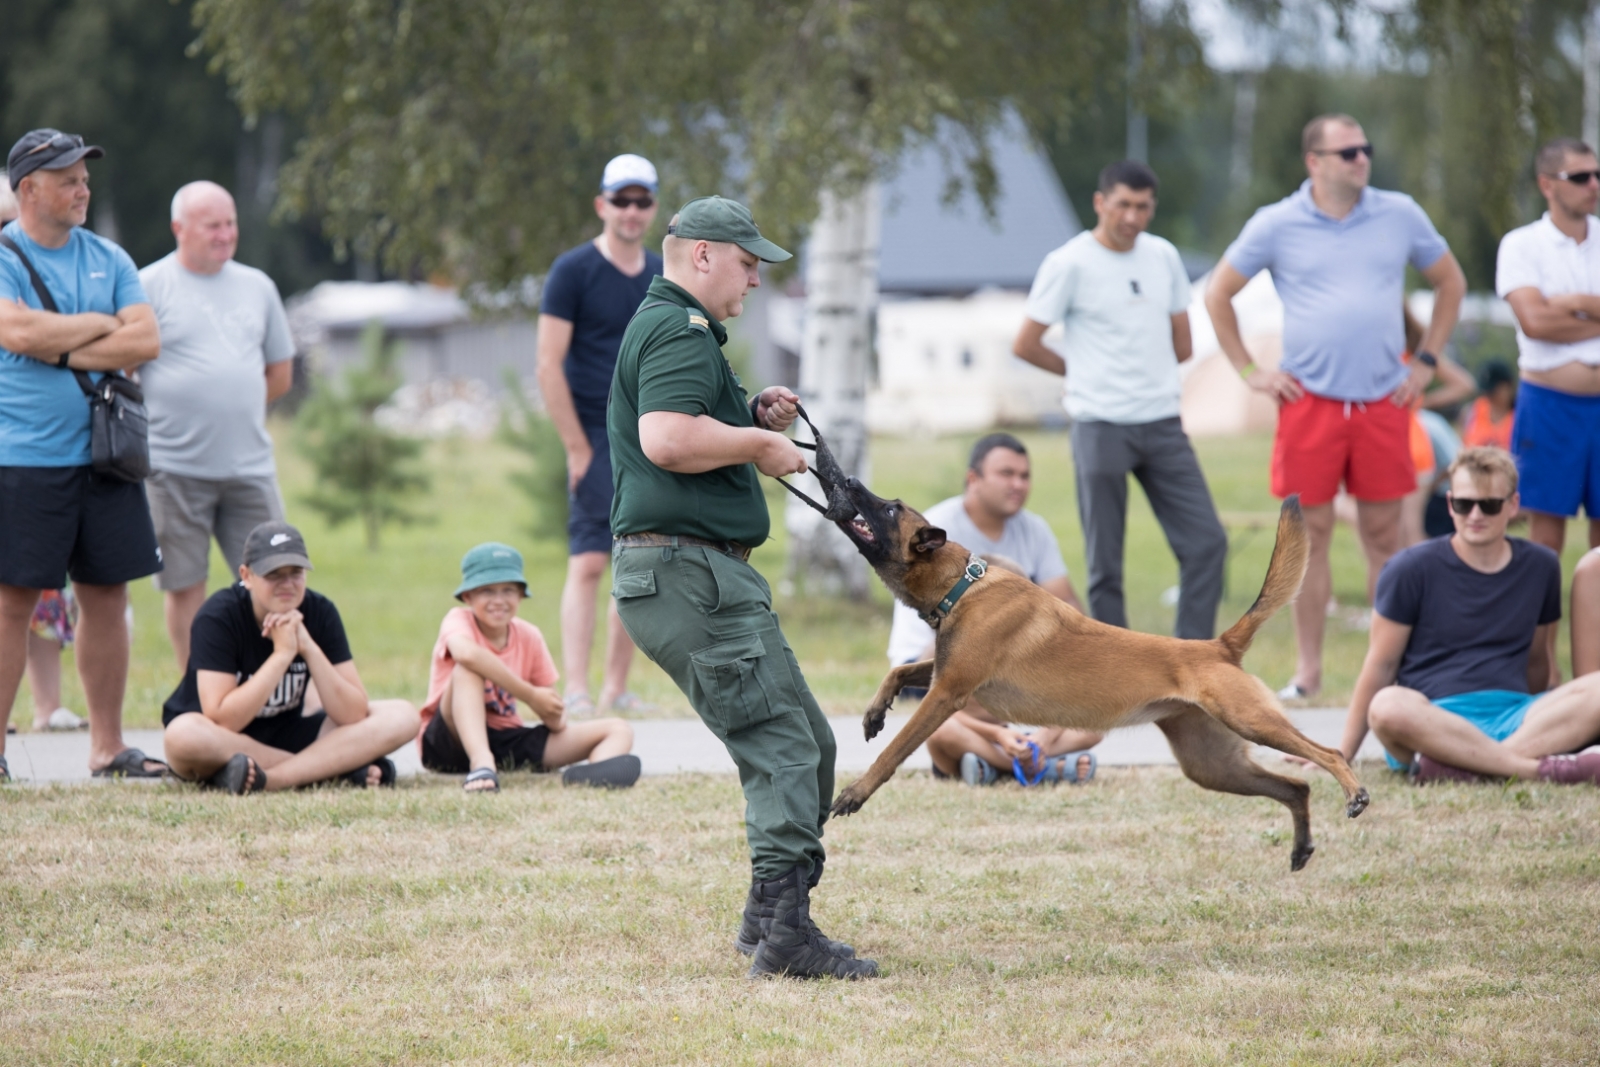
pixel 1481 429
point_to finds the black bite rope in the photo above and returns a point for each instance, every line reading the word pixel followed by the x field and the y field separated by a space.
pixel 828 472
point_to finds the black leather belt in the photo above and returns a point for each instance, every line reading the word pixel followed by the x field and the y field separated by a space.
pixel 655 540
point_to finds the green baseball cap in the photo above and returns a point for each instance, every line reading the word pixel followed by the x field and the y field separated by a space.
pixel 490 564
pixel 716 218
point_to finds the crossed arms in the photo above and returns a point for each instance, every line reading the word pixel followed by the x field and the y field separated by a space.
pixel 96 341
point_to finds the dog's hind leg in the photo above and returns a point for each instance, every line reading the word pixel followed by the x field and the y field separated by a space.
pixel 1248 708
pixel 919 673
pixel 942 701
pixel 1215 757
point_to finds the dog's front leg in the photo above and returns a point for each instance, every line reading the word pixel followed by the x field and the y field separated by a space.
pixel 920 673
pixel 941 702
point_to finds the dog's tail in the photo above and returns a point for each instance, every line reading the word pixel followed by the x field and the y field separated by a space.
pixel 1284 574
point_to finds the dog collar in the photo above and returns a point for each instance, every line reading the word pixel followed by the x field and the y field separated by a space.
pixel 976 568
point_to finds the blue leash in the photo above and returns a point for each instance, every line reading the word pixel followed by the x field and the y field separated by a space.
pixel 1016 767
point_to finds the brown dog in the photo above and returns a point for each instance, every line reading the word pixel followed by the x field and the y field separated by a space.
pixel 1030 658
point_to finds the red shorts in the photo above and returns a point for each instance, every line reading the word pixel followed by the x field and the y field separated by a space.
pixel 1323 442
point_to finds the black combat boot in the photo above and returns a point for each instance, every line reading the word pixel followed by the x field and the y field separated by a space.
pixel 789 946
pixel 758 915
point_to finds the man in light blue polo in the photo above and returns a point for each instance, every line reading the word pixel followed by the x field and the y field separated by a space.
pixel 1338 252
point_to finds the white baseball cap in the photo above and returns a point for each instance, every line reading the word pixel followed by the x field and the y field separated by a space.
pixel 627 170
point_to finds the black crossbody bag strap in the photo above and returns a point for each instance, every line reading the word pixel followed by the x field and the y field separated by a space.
pixel 47 301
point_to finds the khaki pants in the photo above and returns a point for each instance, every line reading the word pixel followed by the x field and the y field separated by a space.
pixel 706 618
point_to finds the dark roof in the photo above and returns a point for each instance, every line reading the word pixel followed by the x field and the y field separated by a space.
pixel 930 247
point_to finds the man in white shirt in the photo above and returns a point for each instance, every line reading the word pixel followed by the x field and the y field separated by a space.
pixel 989 520
pixel 225 355
pixel 1549 272
pixel 1122 297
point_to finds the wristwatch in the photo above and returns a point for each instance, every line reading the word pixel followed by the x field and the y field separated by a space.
pixel 1427 359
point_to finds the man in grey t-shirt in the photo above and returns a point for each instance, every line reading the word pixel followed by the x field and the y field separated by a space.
pixel 225 355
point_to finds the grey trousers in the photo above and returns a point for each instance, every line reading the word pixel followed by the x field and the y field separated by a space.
pixel 1158 454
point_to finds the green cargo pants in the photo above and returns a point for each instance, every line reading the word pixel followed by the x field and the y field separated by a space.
pixel 706 618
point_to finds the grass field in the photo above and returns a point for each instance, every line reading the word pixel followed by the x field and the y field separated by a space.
pixel 392 600
pixel 1136 920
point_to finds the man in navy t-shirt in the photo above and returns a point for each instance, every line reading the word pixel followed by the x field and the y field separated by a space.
pixel 1459 650
pixel 590 295
pixel 58 518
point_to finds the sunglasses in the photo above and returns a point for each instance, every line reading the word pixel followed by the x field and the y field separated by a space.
pixel 60 140
pixel 643 203
pixel 1463 505
pixel 1578 177
pixel 1347 154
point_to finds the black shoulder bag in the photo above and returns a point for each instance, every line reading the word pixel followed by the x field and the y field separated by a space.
pixel 119 426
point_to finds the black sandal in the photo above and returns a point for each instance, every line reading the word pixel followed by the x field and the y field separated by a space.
pixel 359 778
pixel 235 777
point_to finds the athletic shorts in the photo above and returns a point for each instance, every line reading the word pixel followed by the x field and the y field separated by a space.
pixel 68 522
pixel 1497 712
pixel 1320 443
pixel 512 747
pixel 589 505
pixel 188 512
pixel 286 733
pixel 1556 442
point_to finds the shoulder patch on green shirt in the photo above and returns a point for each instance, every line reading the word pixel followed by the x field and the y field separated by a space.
pixel 698 323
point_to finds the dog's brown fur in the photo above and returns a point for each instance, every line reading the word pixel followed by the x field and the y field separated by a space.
pixel 1030 658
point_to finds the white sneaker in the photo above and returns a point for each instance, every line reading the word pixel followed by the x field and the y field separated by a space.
pixel 61 720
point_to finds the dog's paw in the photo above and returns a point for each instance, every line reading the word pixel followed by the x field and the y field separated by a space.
pixel 848 802
pixel 872 722
pixel 1358 803
pixel 1300 857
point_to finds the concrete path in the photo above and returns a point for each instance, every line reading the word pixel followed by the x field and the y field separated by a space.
pixel 668 746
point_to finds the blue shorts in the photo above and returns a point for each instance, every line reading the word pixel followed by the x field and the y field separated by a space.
pixel 589 505
pixel 1497 712
pixel 1556 440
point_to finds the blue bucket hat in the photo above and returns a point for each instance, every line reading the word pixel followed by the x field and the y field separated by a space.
pixel 490 564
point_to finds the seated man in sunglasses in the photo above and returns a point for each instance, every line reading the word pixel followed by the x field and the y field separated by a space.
pixel 1457 659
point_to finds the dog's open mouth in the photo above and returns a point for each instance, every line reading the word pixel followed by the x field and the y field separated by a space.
pixel 859 527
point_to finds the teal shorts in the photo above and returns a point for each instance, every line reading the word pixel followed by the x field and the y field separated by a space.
pixel 1497 712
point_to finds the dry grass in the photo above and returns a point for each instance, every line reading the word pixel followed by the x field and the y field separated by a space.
pixel 1138 920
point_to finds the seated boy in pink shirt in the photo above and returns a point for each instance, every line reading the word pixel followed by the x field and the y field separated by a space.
pixel 486 659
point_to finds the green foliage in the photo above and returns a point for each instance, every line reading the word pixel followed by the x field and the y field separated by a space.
pixel 455 134
pixel 543 476
pixel 363 470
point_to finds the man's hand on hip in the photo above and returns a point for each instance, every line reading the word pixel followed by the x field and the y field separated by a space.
pixel 776 408
pixel 578 459
pixel 1415 385
pixel 1276 384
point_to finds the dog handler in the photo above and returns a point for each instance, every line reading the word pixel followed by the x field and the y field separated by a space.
pixel 687 442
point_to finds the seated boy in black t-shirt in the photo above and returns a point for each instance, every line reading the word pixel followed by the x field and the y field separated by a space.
pixel 254 651
pixel 1458 653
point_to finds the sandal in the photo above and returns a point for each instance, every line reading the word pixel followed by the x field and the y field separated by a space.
pixel 578 705
pixel 236 778
pixel 359 778
pixel 1064 768
pixel 631 704
pixel 618 772
pixel 482 774
pixel 130 763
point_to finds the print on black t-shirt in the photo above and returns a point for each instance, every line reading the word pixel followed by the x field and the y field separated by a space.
pixel 227 638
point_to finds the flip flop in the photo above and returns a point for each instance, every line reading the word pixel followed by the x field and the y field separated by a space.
pixel 618 772
pixel 130 763
pixel 483 774
pixel 359 778
pixel 234 777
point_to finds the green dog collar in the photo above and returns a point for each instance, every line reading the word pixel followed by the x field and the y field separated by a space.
pixel 976 568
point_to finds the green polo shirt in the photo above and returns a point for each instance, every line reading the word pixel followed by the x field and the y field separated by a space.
pixel 668 361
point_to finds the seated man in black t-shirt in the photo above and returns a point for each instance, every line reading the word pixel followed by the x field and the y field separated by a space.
pixel 254 651
pixel 1459 645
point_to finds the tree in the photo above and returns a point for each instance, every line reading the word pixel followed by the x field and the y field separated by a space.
pixel 544 480
pixel 363 470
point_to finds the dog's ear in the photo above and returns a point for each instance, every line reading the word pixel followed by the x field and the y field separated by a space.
pixel 927 539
